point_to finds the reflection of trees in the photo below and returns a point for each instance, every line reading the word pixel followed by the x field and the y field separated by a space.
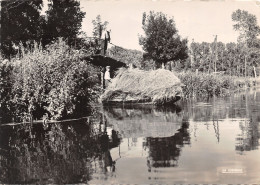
pixel 249 137
pixel 205 110
pixel 250 131
pixel 54 152
pixel 164 152
pixel 218 108
pixel 238 106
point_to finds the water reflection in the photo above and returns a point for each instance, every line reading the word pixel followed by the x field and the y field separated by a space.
pixel 241 108
pixel 144 121
pixel 249 137
pixel 193 142
pixel 54 152
pixel 164 129
pixel 164 152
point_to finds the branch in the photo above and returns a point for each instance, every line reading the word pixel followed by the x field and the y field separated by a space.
pixel 6 6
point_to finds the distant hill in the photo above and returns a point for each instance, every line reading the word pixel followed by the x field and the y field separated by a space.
pixel 127 56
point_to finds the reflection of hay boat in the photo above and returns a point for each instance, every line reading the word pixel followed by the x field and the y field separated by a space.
pixel 138 86
pixel 146 122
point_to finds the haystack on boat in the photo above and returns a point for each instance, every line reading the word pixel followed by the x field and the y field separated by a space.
pixel 137 86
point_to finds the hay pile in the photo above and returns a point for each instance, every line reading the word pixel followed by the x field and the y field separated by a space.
pixel 134 85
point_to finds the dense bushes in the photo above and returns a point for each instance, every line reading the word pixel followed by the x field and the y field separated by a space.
pixel 5 82
pixel 54 81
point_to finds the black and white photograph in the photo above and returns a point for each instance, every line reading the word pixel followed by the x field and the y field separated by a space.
pixel 130 92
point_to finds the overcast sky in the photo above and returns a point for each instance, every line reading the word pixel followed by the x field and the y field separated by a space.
pixel 198 20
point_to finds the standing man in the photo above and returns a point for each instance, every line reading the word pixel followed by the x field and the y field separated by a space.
pixel 107 76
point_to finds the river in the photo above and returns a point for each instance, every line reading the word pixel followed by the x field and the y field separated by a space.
pixel 206 141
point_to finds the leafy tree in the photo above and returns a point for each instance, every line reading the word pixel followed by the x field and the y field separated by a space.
pixel 99 26
pixel 246 24
pixel 64 19
pixel 20 22
pixel 249 45
pixel 198 55
pixel 161 41
pixel 100 44
pixel 232 59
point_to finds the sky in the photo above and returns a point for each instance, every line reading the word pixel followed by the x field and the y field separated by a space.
pixel 194 19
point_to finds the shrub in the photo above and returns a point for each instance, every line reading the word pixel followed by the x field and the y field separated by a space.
pixel 53 80
pixel 5 81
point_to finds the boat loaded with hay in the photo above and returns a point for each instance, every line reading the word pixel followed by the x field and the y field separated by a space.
pixel 138 86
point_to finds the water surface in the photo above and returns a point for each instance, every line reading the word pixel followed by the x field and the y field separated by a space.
pixel 197 141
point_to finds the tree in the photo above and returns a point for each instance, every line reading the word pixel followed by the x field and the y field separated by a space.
pixel 20 22
pixel 246 24
pixel 99 26
pixel 249 43
pixel 161 41
pixel 201 56
pixel 64 19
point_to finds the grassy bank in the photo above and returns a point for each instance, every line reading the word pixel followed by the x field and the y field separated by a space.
pixel 53 81
pixel 204 84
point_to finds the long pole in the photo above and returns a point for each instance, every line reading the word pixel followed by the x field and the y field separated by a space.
pixel 216 53
pixel 245 65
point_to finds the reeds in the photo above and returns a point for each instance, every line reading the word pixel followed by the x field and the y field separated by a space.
pixel 156 86
pixel 204 84
pixel 246 82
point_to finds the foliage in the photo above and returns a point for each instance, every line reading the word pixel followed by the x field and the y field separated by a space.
pixel 246 24
pixel 204 84
pixel 20 22
pixel 55 81
pixel 64 19
pixel 127 56
pixel 5 82
pixel 99 26
pixel 232 59
pixel 148 64
pixel 161 41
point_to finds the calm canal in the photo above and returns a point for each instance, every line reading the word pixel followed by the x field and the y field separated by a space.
pixel 202 141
